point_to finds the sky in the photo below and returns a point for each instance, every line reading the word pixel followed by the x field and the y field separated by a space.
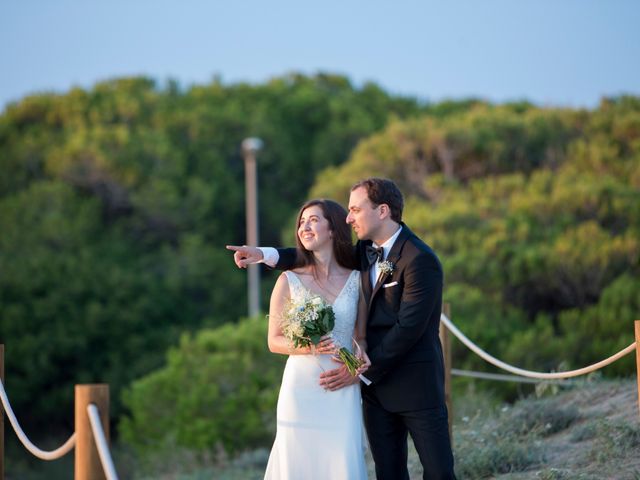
pixel 550 52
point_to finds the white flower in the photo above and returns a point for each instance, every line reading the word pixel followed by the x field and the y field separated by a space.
pixel 297 330
pixel 386 267
pixel 306 318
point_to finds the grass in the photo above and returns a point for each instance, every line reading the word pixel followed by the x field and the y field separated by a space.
pixel 591 431
pixel 615 440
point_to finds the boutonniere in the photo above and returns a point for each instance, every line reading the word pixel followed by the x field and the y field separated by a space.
pixel 386 267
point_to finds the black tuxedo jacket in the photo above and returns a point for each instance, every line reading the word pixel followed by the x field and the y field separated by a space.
pixel 403 317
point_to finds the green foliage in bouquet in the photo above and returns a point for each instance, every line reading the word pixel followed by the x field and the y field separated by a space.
pixel 307 319
pixel 326 322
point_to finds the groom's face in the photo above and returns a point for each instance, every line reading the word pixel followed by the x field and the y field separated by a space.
pixel 363 216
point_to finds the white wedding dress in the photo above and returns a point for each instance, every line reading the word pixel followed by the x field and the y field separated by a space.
pixel 320 434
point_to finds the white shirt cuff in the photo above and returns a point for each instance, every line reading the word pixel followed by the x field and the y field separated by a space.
pixel 270 256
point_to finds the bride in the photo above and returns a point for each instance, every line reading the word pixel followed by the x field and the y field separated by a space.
pixel 319 432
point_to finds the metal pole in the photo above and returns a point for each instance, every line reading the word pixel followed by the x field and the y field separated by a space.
pixel 249 148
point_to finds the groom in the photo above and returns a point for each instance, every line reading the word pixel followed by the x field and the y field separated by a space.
pixel 402 297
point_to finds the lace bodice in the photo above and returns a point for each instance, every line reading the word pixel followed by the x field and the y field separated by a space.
pixel 345 306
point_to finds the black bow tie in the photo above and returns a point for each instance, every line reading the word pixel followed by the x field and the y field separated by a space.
pixel 374 254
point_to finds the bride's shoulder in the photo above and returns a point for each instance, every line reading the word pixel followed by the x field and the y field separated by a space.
pixel 283 279
pixel 302 271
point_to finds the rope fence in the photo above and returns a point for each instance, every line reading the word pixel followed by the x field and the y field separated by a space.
pixel 101 442
pixel 90 436
pixel 35 451
pixel 499 377
pixel 519 374
pixel 528 373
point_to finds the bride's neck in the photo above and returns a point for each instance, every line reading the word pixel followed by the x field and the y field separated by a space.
pixel 325 263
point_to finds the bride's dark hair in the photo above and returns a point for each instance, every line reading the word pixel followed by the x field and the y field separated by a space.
pixel 336 215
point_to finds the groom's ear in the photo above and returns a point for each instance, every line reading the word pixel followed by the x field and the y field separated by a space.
pixel 385 211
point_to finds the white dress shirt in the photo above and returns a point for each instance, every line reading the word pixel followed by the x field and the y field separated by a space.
pixel 270 256
pixel 386 248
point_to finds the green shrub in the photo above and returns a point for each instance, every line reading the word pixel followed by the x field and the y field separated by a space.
pixel 563 474
pixel 588 431
pixel 482 454
pixel 217 392
pixel 542 417
pixel 615 440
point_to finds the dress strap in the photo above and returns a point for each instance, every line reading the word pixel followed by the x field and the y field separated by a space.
pixel 295 284
pixel 355 277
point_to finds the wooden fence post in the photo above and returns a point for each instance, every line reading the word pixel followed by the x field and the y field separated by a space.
pixel 2 415
pixel 637 328
pixel 87 461
pixel 445 340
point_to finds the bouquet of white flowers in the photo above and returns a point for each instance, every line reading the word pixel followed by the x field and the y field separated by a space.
pixel 306 320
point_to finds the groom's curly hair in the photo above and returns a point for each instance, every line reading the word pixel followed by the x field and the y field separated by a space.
pixel 343 248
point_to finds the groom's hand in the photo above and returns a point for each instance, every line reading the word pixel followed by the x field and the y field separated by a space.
pixel 244 255
pixel 337 378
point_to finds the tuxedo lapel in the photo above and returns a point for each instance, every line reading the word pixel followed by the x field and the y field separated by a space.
pixel 380 281
pixel 396 249
pixel 393 257
pixel 366 283
pixel 365 276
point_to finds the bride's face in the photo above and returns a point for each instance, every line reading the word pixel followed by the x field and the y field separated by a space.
pixel 313 229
